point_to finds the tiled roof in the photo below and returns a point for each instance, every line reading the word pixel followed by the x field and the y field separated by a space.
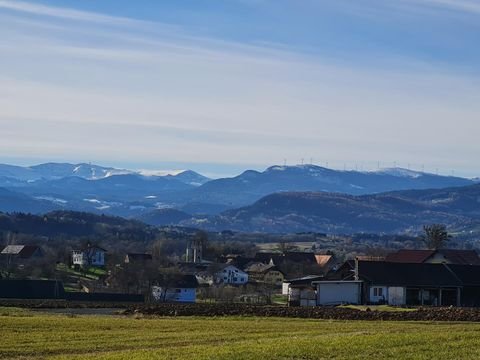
pixel 409 256
pixel 452 256
pixel 259 268
pixel 461 257
pixel 323 260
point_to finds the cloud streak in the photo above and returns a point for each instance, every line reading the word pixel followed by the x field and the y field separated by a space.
pixel 65 13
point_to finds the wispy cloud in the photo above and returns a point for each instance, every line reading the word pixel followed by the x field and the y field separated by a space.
pixel 65 13
pixel 460 5
pixel 129 94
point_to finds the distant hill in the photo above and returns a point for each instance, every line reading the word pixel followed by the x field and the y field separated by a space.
pixel 73 224
pixel 97 189
pixel 163 217
pixel 392 212
pixel 190 177
pixel 252 185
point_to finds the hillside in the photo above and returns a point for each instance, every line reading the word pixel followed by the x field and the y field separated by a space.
pixel 392 212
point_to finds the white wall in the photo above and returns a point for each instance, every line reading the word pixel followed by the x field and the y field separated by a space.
pixel 378 294
pixel 231 275
pixel 174 294
pixel 397 296
pixel 329 293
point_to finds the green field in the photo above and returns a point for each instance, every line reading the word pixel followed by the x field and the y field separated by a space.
pixel 24 335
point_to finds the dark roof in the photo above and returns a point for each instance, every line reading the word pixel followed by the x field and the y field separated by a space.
pixel 453 256
pixel 178 281
pixel 292 256
pixel 266 256
pixel 139 257
pixel 261 268
pixel 469 275
pixel 297 256
pixel 21 251
pixel 407 274
pixel 305 280
pixel 461 257
pixel 409 256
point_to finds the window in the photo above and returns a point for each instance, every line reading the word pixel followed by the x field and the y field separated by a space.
pixel 378 291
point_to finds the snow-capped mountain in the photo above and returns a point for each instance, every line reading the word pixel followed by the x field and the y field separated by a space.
pixel 51 171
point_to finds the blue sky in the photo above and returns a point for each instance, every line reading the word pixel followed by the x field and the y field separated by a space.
pixel 219 86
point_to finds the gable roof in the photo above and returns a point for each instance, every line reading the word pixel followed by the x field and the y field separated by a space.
pixel 454 256
pixel 407 274
pixel 260 268
pixel 461 257
pixel 323 260
pixel 469 275
pixel 409 256
pixel 305 280
pixel 21 251
pixel 292 256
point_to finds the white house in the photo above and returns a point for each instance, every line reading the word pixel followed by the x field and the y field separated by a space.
pixel 90 256
pixel 231 275
pixel 179 288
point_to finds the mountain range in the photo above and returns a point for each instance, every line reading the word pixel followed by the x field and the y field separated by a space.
pixel 279 199
pixel 392 212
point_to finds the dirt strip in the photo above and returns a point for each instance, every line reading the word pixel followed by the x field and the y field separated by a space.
pixel 334 313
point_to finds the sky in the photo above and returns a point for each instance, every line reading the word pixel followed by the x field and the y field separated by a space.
pixel 220 86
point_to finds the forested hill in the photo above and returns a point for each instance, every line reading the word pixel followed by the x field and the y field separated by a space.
pixel 75 224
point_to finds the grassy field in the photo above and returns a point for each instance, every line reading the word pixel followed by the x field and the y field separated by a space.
pixel 26 335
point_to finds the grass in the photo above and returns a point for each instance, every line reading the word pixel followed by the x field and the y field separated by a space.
pixel 42 336
pixel 92 273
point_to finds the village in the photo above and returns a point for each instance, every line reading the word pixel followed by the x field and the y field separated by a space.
pixel 283 277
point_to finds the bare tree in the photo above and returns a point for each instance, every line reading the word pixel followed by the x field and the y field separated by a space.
pixel 435 236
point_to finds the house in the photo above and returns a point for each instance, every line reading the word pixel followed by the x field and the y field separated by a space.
pixel 137 258
pixel 409 283
pixel 231 275
pixel 265 273
pixel 175 288
pixel 22 252
pixel 392 283
pixel 91 255
pixel 446 256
